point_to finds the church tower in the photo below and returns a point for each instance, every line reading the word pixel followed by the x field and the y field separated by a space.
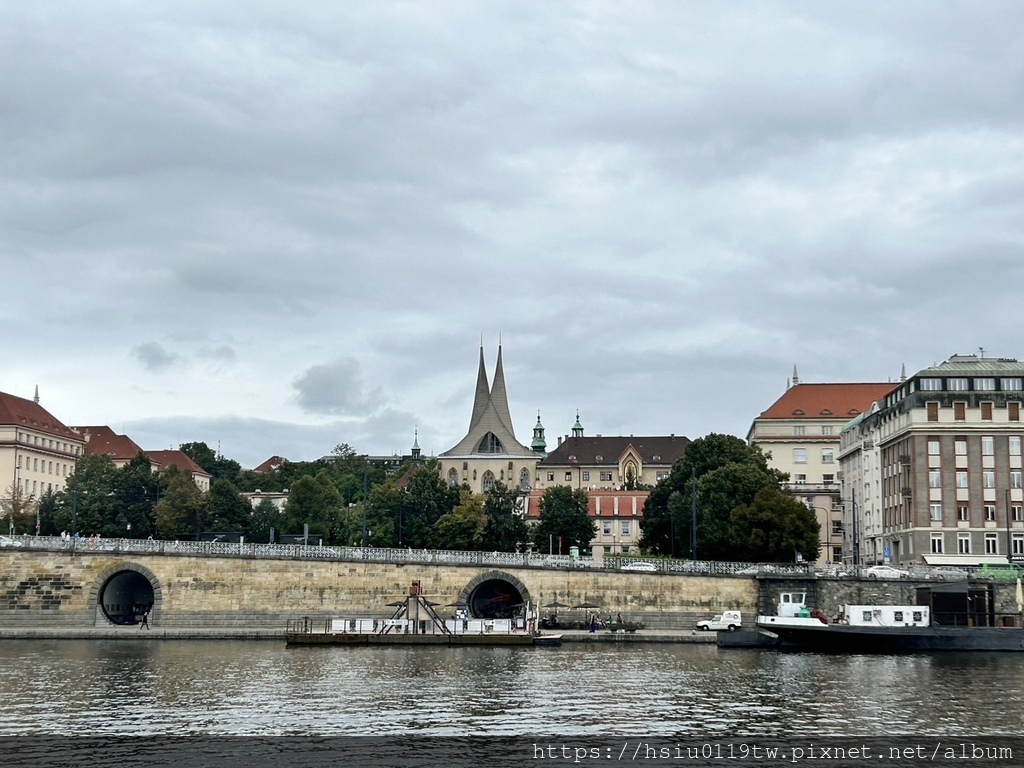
pixel 539 444
pixel 489 452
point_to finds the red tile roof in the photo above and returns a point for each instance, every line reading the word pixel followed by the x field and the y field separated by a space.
pixel 104 441
pixel 827 401
pixel 19 412
pixel 271 464
pixel 179 459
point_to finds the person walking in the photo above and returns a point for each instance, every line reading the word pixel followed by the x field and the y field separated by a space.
pixel 145 620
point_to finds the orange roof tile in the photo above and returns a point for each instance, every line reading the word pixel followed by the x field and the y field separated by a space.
pixel 827 401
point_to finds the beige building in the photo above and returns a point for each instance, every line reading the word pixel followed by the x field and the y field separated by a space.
pixel 489 452
pixel 934 468
pixel 37 452
pixel 800 433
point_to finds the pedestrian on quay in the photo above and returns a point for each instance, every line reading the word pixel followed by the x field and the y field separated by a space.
pixel 593 622
pixel 145 620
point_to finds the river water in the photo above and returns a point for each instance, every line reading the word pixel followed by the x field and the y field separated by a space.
pixel 125 688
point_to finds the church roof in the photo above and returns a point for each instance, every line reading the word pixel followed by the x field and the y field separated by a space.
pixel 490 430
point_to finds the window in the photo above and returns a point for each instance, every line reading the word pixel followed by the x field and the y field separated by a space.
pixel 1017 513
pixel 933 447
pixel 606 477
pixel 837 527
pixel 586 477
pixel 487 483
pixel 1013 411
pixel 963 543
pixel 1017 543
pixel 659 476
pixel 799 455
pixel 828 479
pixel 991 544
pixel 963 513
pixel 1010 385
pixel 988 479
pixel 625 527
pixel 959 411
pixel 960 447
pixel 936 512
pixel 988 444
pixel 826 430
pixel 827 456
pixel 1013 442
pixel 931 385
pixel 799 430
pixel 936 543
pixel 984 385
pixel 956 385
pixel 607 528
pixel 990 512
pixel 568 477
pixel 934 478
pixel 1015 478
pixel 551 477
pixel 986 411
pixel 799 479
pixel 933 411
pixel 961 479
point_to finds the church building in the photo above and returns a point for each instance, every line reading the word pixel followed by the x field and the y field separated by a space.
pixel 489 452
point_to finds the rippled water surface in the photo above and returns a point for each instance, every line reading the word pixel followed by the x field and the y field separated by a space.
pixel 260 688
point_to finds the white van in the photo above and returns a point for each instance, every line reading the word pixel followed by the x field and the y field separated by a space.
pixel 726 620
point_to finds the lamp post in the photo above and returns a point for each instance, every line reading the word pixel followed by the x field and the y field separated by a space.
pixel 366 477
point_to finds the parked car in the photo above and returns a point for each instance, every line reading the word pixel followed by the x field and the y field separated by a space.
pixel 641 566
pixel 726 620
pixel 885 572
pixel 7 541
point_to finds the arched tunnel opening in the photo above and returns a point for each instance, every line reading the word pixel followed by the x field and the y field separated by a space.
pixel 125 596
pixel 495 599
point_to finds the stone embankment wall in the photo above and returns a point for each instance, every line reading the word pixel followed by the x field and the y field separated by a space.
pixel 61 589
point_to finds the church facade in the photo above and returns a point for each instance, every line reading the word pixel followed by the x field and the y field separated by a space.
pixel 489 452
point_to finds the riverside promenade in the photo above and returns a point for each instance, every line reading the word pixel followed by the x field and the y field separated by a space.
pixel 133 633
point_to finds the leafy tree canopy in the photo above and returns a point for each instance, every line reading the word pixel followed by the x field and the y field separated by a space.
pixel 564 521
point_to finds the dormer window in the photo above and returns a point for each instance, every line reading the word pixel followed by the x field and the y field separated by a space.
pixel 599 458
pixel 656 457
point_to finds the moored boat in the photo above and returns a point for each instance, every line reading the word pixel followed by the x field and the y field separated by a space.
pixel 958 626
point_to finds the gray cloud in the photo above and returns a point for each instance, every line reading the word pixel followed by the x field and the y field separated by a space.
pixel 154 356
pixel 661 209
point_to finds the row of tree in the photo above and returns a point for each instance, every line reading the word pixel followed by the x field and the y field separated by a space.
pixel 722 485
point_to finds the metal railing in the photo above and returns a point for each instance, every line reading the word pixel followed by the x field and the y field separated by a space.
pixel 398 555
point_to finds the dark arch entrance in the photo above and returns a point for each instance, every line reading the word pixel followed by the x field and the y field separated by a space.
pixel 124 596
pixel 495 595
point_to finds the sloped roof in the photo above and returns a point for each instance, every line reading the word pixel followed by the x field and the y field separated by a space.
pixel 827 401
pixel 490 415
pixel 104 441
pixel 271 464
pixel 586 450
pixel 179 459
pixel 19 412
pixel 975 364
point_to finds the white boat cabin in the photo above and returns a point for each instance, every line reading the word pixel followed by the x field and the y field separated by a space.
pixel 886 615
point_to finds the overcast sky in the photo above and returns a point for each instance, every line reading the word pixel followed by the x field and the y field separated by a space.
pixel 276 227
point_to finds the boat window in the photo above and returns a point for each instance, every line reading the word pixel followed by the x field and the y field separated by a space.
pixel 867 616
pixel 897 615
pixel 918 616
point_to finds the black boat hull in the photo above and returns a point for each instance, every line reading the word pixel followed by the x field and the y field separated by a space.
pixel 841 638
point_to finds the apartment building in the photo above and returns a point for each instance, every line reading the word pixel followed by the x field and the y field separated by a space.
pixel 800 433
pixel 935 467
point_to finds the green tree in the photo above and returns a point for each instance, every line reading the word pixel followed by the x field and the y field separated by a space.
pixel 775 527
pixel 86 500
pixel 218 466
pixel 182 508
pixel 229 511
pixel 725 474
pixel 265 517
pixel 564 521
pixel 506 529
pixel 463 527
pixel 19 510
pixel 313 501
pixel 426 499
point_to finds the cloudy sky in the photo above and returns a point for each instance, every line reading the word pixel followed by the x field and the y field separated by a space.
pixel 276 227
